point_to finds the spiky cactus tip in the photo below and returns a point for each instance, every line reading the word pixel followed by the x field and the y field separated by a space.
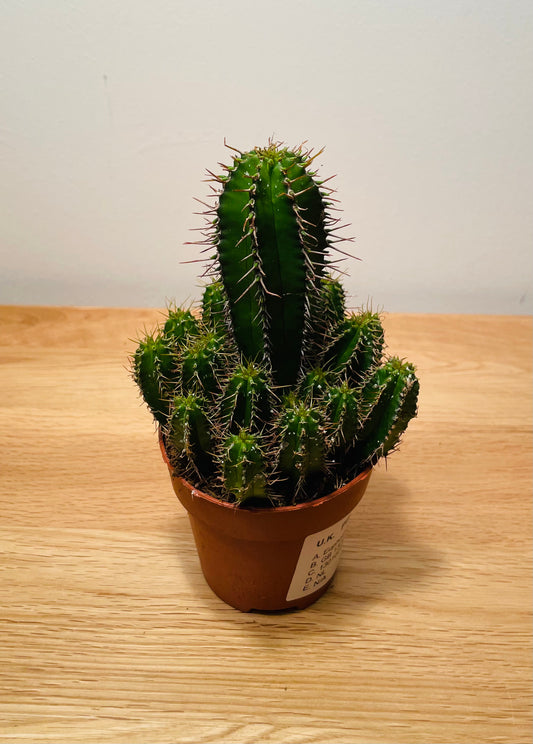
pixel 271 393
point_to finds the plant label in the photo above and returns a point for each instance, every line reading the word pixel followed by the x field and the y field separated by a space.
pixel 318 560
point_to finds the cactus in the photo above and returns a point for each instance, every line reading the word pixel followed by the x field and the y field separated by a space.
pixel 245 402
pixel 328 310
pixel 152 363
pixel 343 409
pixel 214 307
pixel 271 248
pixel 179 326
pixel 314 385
pixel 388 399
pixel 189 436
pixel 357 347
pixel 269 392
pixel 302 453
pixel 243 467
pixel 201 362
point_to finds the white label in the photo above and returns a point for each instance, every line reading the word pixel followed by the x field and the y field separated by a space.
pixel 318 560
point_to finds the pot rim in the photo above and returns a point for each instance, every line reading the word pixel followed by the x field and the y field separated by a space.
pixel 197 493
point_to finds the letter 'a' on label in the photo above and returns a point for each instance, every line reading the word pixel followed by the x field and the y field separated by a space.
pixel 318 560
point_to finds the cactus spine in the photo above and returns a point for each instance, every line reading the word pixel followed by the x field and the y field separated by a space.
pixel 271 393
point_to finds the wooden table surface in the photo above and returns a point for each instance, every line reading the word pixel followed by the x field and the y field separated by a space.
pixel 110 634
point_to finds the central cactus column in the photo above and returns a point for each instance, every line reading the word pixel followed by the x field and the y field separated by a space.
pixel 272 244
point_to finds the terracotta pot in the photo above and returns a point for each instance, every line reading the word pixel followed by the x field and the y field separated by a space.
pixel 269 559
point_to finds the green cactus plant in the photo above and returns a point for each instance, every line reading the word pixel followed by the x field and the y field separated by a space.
pixel 243 467
pixel 189 435
pixel 270 393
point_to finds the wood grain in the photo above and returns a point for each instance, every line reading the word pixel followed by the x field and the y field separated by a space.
pixel 109 633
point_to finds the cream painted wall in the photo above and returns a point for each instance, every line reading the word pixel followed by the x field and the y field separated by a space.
pixel 111 112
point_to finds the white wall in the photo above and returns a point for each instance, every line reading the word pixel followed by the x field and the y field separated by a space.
pixel 111 110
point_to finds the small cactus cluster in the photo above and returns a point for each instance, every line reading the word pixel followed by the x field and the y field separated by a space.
pixel 272 393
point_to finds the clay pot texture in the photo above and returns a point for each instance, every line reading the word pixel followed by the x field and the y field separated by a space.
pixel 269 559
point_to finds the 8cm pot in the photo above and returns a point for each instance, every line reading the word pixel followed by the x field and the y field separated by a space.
pixel 269 559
